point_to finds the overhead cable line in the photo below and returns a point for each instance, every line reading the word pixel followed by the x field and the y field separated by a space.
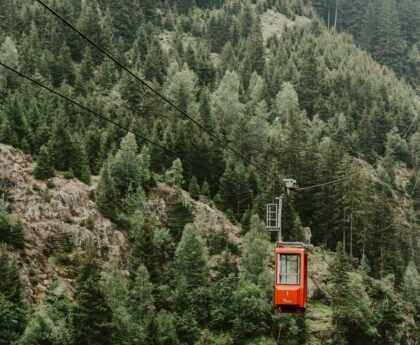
pixel 101 116
pixel 157 93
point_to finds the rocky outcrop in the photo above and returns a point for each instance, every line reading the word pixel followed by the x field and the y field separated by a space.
pixel 59 219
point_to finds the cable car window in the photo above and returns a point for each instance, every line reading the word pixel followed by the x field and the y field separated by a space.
pixel 288 269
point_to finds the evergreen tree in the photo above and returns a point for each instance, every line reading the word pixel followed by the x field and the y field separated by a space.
pixel 17 238
pixel 86 67
pixel 49 325
pixel 205 189
pixel 106 195
pixel 79 163
pixel 126 167
pixel 13 310
pixel 5 225
pixel 190 258
pixel 256 253
pixel 14 129
pixel 410 288
pixel 173 176
pixel 10 56
pixel 353 321
pixel 155 64
pixel 194 189
pixel 141 300
pixel 178 215
pixel 91 313
pixel 45 164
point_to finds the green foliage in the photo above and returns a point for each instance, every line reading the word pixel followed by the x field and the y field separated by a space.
pixel 8 319
pixel 78 159
pixel 173 176
pixel 91 313
pixel 178 215
pixel 306 104
pixel 190 258
pixel 127 168
pixel 106 194
pixel 45 165
pixel 256 253
pixel 11 232
pixel 194 189
pixel 48 325
pixel 13 307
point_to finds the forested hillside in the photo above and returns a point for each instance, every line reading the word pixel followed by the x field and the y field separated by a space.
pixel 267 89
pixel 388 29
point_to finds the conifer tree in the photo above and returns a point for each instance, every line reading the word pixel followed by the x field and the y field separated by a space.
pixel 155 64
pixel 256 252
pixel 91 313
pixel 50 323
pixel 140 298
pixel 205 189
pixel 126 167
pixel 79 163
pixel 13 307
pixel 173 176
pixel 106 195
pixel 86 67
pixel 178 215
pixel 190 258
pixel 10 56
pixel 5 225
pixel 14 129
pixel 17 238
pixel 44 168
pixel 194 189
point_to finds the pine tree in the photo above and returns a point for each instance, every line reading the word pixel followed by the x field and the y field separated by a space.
pixel 44 168
pixel 13 307
pixel 126 167
pixel 79 163
pixel 17 238
pixel 256 253
pixel 106 195
pixel 353 321
pixel 14 130
pixel 87 67
pixel 49 324
pixel 140 297
pixel 10 56
pixel 173 176
pixel 60 145
pixel 178 215
pixel 205 189
pixel 91 313
pixel 194 189
pixel 5 225
pixel 190 258
pixel 155 64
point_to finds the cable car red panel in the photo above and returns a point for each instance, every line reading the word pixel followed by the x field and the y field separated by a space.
pixel 290 281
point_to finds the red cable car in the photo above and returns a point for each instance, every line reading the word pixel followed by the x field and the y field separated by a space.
pixel 291 278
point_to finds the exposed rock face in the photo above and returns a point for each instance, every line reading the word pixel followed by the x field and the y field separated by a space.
pixel 57 221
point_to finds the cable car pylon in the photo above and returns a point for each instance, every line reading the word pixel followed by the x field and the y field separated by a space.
pixel 291 261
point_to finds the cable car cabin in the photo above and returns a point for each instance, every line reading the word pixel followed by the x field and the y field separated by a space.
pixel 290 284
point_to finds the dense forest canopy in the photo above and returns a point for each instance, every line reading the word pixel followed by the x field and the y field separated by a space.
pixel 317 91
